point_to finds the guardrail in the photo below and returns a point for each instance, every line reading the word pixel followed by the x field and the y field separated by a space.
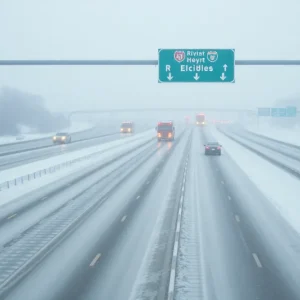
pixel 42 172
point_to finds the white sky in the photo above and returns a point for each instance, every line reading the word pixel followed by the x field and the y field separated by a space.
pixel 135 29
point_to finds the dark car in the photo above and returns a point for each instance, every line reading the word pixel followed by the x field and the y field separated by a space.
pixel 213 148
pixel 61 138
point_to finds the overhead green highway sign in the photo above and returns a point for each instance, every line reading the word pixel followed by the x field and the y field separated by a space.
pixel 196 65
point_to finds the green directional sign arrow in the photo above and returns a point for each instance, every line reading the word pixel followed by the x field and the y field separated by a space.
pixel 196 65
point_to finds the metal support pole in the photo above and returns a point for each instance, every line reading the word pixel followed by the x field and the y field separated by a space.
pixel 67 62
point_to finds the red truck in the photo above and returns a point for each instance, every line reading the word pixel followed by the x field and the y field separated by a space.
pixel 165 131
pixel 200 119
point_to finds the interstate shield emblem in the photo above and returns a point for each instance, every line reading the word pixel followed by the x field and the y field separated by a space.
pixel 179 56
pixel 212 56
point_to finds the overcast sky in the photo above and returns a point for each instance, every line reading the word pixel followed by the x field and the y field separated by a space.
pixel 135 29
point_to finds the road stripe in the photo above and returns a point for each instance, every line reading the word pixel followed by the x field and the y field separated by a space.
pixel 257 260
pixel 237 218
pixel 222 182
pixel 138 197
pixel 94 261
pixel 44 198
pixel 123 219
pixel 229 198
pixel 12 216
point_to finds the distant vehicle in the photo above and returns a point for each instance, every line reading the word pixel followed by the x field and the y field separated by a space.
pixel 187 119
pixel 200 119
pixel 213 148
pixel 127 127
pixel 165 131
pixel 61 138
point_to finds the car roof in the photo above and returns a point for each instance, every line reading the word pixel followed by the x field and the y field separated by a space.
pixel 61 133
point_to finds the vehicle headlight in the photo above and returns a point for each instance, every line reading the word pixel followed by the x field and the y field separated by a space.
pixel 129 129
pixel 54 137
pixel 63 138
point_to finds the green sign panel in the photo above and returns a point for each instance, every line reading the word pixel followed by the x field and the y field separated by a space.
pixel 196 65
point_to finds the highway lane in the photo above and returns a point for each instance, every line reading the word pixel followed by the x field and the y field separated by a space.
pixel 234 244
pixel 14 160
pixel 273 244
pixel 213 262
pixel 28 210
pixel 113 240
pixel 46 142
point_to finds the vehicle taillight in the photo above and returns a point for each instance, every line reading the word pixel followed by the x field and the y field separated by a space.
pixel 170 134
pixel 206 147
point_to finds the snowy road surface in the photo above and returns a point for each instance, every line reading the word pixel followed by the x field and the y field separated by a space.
pixel 114 234
pixel 18 154
pixel 75 127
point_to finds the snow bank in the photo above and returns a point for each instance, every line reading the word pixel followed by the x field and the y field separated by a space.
pixel 279 187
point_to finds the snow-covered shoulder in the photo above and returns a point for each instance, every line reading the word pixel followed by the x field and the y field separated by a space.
pixel 279 187
pixel 290 135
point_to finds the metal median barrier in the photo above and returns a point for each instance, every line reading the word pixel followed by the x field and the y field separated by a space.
pixel 40 173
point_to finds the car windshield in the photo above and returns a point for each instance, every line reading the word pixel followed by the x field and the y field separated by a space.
pixel 164 128
pixel 126 125
pixel 61 134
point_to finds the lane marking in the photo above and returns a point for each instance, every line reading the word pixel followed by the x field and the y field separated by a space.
pixel 176 244
pixel 257 260
pixel 148 182
pixel 12 216
pixel 171 286
pixel 222 182
pixel 182 189
pixel 94 261
pixel 178 227
pixel 229 198
pixel 179 213
pixel 138 197
pixel 44 198
pixel 237 218
pixel 123 219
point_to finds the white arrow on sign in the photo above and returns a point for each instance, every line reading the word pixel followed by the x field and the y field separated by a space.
pixel 223 77
pixel 196 76
pixel 170 77
pixel 225 67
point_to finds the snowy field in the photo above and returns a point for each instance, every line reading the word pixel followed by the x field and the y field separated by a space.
pixel 279 187
pixel 75 127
